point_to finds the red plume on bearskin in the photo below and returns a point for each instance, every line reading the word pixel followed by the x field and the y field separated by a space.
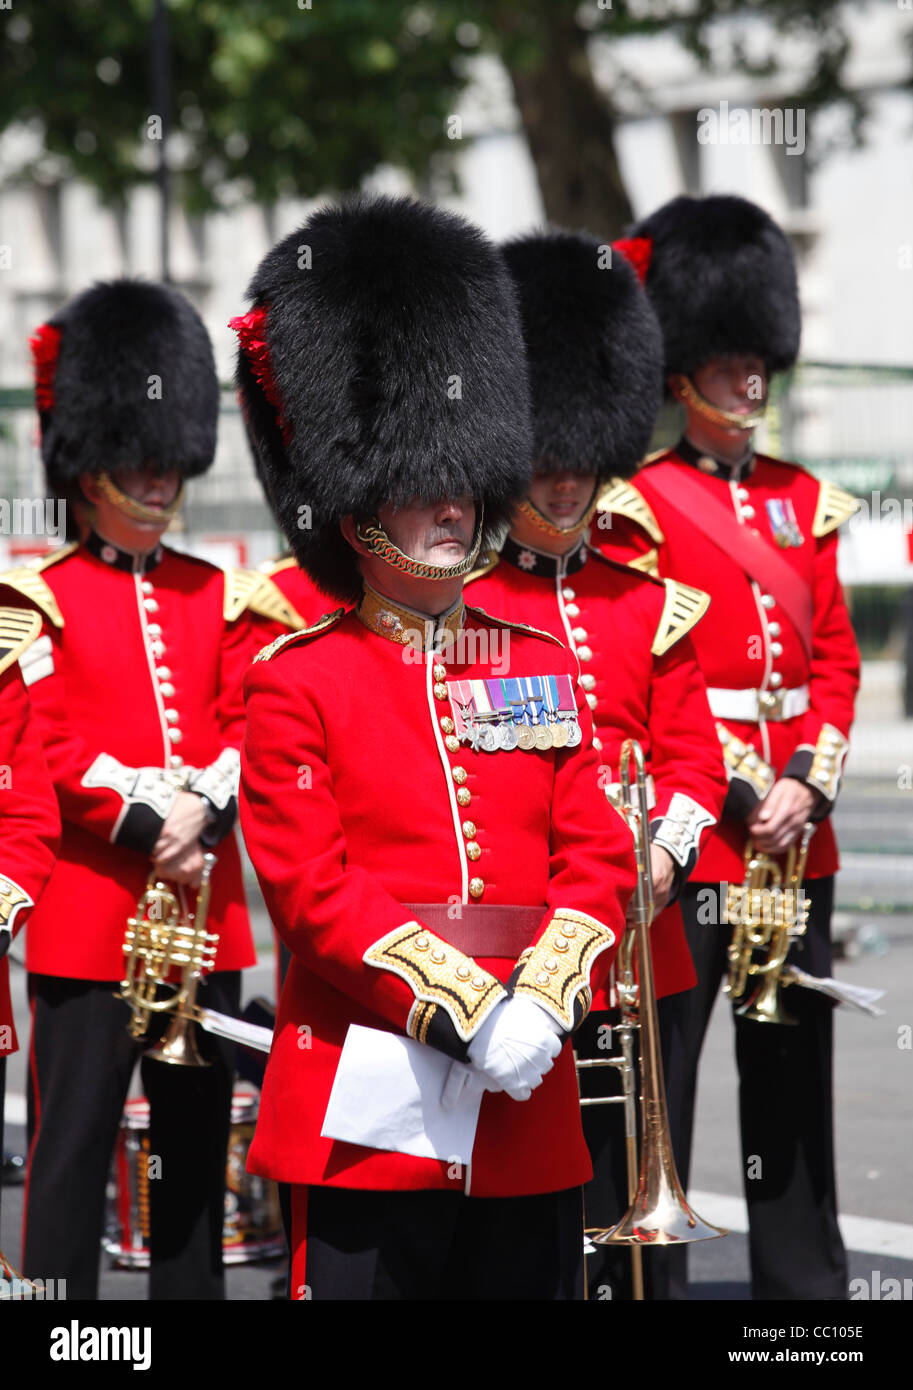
pixel 637 250
pixel 251 331
pixel 45 345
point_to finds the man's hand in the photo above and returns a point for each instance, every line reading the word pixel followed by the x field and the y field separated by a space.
pixel 186 867
pixel 777 822
pixel 662 871
pixel 181 831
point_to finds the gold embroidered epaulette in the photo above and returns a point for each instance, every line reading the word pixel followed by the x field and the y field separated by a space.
pixel 514 626
pixel 271 567
pixel 834 507
pixel 683 608
pixel 18 630
pixel 647 563
pixel 621 499
pixel 26 580
pixel 322 625
pixel 485 566
pixel 250 589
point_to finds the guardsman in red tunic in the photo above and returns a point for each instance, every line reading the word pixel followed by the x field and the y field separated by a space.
pixel 595 364
pixel 135 683
pixel 778 653
pixel 418 797
pixel 29 819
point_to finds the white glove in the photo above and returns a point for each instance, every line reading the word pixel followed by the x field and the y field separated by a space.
pixel 515 1047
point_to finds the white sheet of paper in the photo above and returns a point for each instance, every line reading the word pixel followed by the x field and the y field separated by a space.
pixel 387 1095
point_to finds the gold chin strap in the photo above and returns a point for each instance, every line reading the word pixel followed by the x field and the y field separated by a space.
pixel 137 510
pixel 690 395
pixel 373 535
pixel 559 533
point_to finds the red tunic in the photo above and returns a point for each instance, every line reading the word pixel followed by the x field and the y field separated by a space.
pixel 136 673
pixel 613 617
pixel 29 825
pixel 356 794
pixel 747 641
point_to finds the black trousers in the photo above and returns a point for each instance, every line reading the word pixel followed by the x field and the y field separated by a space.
pixel 442 1245
pixel 785 1107
pixel 82 1059
pixel 605 1196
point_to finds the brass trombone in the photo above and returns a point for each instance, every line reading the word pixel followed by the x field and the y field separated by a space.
pixel 160 938
pixel 658 1213
pixel 10 1278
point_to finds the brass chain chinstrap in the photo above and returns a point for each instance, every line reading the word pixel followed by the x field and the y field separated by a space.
pixel 373 535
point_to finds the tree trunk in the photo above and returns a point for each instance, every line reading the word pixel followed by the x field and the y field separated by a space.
pixel 568 122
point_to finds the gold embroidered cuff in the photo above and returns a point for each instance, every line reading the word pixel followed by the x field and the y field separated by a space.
pixel 745 763
pixel 441 977
pixel 679 829
pixel 556 971
pixel 12 898
pixel 827 761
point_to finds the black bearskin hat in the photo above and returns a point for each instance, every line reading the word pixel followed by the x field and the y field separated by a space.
pixel 594 349
pixel 722 280
pixel 382 362
pixel 125 378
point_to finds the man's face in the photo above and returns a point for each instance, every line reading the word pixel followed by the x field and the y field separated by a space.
pixel 439 533
pixel 737 383
pixel 156 490
pixel 562 498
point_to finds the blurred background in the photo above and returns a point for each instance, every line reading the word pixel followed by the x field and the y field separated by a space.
pixel 178 139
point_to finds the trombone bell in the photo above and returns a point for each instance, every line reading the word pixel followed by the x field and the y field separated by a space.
pixel 659 1213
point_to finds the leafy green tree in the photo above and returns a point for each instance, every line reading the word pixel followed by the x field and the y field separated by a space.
pixel 282 97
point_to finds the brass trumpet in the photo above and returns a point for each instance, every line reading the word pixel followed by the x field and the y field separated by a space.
pixel 159 939
pixel 768 911
pixel 658 1213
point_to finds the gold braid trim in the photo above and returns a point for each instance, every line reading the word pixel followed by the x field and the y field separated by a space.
pixel 12 898
pixel 684 606
pixel 834 507
pixel 26 580
pixel 621 499
pixel 248 589
pixel 18 630
pixel 322 625
pixel 743 761
pixel 647 563
pixel 557 969
pixel 827 762
pixel 440 976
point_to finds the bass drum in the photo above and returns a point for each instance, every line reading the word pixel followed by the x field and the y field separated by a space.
pixel 253 1221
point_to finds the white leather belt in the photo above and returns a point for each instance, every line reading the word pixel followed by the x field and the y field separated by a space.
pixel 748 706
pixel 613 792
